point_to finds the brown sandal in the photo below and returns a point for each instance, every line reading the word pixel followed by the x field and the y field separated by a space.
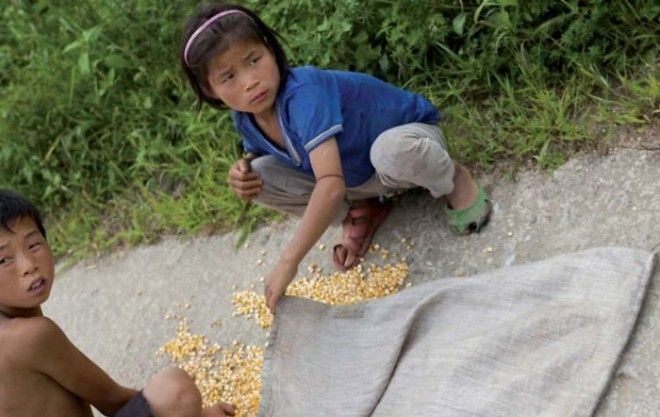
pixel 358 230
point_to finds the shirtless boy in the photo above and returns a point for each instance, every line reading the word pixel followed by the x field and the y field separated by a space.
pixel 42 374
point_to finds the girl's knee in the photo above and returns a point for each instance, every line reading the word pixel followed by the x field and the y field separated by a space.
pixel 385 152
pixel 172 392
pixel 410 145
pixel 404 156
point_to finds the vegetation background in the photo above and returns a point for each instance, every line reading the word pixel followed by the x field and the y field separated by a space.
pixel 98 127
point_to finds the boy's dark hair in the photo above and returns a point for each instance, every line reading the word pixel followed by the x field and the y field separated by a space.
pixel 14 207
pixel 217 38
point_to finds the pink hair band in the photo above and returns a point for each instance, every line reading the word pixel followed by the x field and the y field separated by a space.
pixel 206 24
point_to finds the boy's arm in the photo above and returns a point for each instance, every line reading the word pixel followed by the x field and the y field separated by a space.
pixel 47 350
pixel 324 202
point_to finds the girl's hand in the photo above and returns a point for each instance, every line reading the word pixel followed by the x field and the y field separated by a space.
pixel 244 182
pixel 277 281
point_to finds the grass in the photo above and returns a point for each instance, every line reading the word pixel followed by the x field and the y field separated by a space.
pixel 98 127
pixel 548 125
pixel 531 124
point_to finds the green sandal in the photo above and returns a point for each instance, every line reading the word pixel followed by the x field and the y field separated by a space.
pixel 471 219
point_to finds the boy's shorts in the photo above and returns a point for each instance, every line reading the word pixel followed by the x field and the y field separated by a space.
pixel 135 407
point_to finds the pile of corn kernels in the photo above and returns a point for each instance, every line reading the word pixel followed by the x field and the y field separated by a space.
pixel 348 287
pixel 236 378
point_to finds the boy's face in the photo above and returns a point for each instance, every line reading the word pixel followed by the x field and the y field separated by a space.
pixel 245 77
pixel 26 268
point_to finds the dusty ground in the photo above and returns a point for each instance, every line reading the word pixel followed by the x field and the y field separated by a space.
pixel 114 308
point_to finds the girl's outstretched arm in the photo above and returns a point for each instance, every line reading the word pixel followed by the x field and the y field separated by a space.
pixel 324 202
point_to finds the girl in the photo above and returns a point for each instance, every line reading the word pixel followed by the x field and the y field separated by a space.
pixel 320 144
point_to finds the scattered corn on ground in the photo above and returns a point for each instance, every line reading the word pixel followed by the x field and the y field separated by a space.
pixel 236 378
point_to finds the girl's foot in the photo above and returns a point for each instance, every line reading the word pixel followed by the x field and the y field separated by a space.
pixel 358 229
pixel 468 206
pixel 465 191
pixel 344 258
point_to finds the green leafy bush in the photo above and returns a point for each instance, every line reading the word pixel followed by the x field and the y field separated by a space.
pixel 469 42
pixel 95 119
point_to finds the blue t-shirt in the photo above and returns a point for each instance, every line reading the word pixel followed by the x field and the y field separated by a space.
pixel 315 105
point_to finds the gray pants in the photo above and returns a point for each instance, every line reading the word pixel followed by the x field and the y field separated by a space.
pixel 407 156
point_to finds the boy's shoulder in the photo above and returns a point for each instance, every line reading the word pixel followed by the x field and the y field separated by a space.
pixel 21 338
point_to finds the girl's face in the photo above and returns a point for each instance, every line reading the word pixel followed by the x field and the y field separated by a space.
pixel 245 77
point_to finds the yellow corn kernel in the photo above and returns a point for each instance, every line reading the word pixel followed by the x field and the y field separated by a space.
pixel 233 374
